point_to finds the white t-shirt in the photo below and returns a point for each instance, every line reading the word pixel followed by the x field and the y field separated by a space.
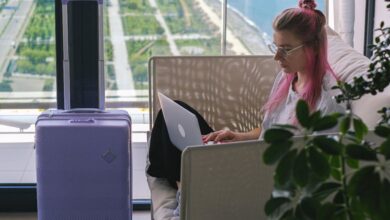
pixel 284 113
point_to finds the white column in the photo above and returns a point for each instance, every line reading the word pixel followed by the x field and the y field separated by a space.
pixel 346 17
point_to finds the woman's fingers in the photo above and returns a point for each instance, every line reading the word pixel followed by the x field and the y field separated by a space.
pixel 211 136
pixel 224 135
pixel 220 136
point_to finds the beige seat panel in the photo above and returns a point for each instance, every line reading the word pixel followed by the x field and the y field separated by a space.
pixel 229 91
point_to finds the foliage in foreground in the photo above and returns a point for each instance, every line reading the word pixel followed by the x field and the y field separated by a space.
pixel 340 176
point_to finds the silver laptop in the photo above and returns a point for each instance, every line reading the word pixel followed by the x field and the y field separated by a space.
pixel 183 126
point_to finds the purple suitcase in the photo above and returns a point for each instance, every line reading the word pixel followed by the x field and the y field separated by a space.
pixel 83 156
pixel 83 165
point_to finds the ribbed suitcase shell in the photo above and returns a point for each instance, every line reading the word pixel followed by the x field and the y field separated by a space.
pixel 83 165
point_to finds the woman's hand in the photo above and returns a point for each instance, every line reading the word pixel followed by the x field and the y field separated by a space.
pixel 221 136
pixel 230 136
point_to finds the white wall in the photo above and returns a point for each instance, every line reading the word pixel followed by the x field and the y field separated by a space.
pixel 360 23
pixel 381 13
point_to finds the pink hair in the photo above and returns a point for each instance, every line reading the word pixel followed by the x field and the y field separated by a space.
pixel 307 24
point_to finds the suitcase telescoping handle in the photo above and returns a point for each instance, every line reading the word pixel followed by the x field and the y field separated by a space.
pixel 66 76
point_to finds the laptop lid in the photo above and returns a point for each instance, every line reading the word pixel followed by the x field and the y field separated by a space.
pixel 225 181
pixel 183 126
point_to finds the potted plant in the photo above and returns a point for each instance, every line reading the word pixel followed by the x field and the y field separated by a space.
pixel 335 177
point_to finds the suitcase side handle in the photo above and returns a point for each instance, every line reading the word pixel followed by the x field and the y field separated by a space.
pixel 84 110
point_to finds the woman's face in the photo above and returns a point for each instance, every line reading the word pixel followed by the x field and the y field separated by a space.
pixel 294 60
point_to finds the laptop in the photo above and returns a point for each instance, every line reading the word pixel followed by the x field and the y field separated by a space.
pixel 183 126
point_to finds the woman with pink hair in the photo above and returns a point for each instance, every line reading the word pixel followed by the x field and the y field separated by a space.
pixel 300 48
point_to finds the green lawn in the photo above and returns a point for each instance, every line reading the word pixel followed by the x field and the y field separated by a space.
pixel 36 53
pixel 141 25
pixel 135 6
pixel 139 53
pixel 36 59
pixel 189 20
pixel 199 47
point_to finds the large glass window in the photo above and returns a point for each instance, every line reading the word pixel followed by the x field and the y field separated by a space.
pixel 134 31
pixel 249 23
pixel 27 82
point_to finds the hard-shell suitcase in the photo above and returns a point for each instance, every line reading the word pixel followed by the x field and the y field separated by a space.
pixel 83 156
pixel 83 168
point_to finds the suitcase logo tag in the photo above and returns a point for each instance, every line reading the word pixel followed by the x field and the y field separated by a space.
pixel 108 156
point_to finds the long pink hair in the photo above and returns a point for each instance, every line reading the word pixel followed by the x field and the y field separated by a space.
pixel 307 24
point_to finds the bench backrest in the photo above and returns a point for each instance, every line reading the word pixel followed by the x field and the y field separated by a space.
pixel 229 91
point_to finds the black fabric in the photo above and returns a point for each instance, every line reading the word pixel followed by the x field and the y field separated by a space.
pixel 164 157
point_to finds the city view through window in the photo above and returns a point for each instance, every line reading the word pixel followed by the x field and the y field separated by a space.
pixel 134 30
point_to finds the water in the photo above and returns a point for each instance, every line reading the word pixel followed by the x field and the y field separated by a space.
pixel 263 12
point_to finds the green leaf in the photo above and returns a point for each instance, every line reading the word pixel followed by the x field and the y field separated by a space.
pixel 315 117
pixel 336 174
pixel 354 164
pixel 329 211
pixel 360 128
pixel 299 214
pixel 385 198
pixel 356 184
pixel 385 149
pixel 303 113
pixel 366 185
pixel 382 131
pixel 337 115
pixel 339 197
pixel 327 122
pixel 310 207
pixel 335 161
pixel 328 145
pixel 345 124
pixel 277 135
pixel 319 164
pixel 325 190
pixel 287 215
pixel 357 210
pixel 273 205
pixel 301 169
pixel 275 151
pixel 359 152
pixel 283 172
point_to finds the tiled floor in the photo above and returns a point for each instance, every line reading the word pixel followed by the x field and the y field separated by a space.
pixel 17 160
pixel 33 216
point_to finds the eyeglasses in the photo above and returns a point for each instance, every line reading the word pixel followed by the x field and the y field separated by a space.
pixel 283 51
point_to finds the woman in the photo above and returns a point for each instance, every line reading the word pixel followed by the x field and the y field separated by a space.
pixel 300 48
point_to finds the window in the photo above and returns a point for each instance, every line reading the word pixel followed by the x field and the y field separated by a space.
pixel 134 31
pixel 249 24
pixel 27 82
